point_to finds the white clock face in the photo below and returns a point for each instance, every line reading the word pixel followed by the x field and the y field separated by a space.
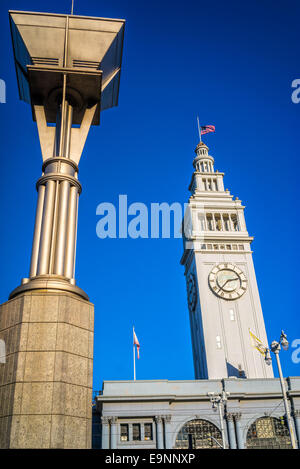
pixel 227 281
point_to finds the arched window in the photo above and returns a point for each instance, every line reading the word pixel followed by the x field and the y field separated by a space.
pixel 198 434
pixel 268 433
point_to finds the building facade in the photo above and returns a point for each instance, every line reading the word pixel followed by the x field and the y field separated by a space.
pixel 228 334
pixel 179 414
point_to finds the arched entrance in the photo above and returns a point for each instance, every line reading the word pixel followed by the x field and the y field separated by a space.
pixel 198 434
pixel 268 433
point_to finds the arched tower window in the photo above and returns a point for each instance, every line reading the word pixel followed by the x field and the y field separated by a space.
pixel 268 433
pixel 198 434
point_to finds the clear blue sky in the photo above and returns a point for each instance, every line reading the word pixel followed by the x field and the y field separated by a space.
pixel 230 62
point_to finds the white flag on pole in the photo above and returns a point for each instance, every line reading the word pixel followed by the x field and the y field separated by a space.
pixel 136 342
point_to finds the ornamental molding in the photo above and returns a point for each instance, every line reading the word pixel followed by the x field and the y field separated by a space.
pixel 105 420
pixel 60 159
pixel 59 177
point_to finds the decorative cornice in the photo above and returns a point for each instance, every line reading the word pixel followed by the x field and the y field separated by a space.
pixel 203 173
pixel 221 236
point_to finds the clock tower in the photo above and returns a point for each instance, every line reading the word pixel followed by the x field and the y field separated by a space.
pixel 223 298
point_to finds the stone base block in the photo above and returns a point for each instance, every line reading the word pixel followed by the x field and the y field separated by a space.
pixel 46 380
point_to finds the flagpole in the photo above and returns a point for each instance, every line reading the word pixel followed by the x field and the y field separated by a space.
pixel 199 130
pixel 134 374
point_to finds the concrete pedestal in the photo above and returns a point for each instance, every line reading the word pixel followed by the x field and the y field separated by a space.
pixel 46 382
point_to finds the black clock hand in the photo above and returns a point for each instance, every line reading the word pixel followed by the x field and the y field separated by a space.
pixel 229 280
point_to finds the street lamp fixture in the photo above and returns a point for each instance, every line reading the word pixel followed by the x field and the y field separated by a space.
pixel 283 341
pixel 275 348
pixel 268 358
pixel 218 401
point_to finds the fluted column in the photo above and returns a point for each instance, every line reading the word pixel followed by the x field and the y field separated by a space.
pixel 159 432
pixel 55 234
pixel 46 229
pixel 56 220
pixel 37 231
pixel 231 430
pixel 239 433
pixel 64 190
pixel 114 433
pixel 53 250
pixel 71 234
pixel 105 432
pixel 168 433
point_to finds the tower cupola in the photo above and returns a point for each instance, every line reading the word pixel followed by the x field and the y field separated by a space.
pixel 204 163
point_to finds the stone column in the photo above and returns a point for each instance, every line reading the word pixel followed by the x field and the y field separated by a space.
pixel 220 183
pixel 222 222
pixel 142 433
pixel 159 432
pixel 130 432
pixel 241 220
pixel 296 415
pixel 239 433
pixel 231 430
pixel 105 432
pixel 168 434
pixel 114 433
pixel 214 225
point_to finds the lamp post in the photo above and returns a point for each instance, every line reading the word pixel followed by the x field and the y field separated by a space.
pixel 68 70
pixel 218 401
pixel 275 348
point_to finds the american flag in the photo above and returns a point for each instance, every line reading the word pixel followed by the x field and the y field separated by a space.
pixel 205 129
